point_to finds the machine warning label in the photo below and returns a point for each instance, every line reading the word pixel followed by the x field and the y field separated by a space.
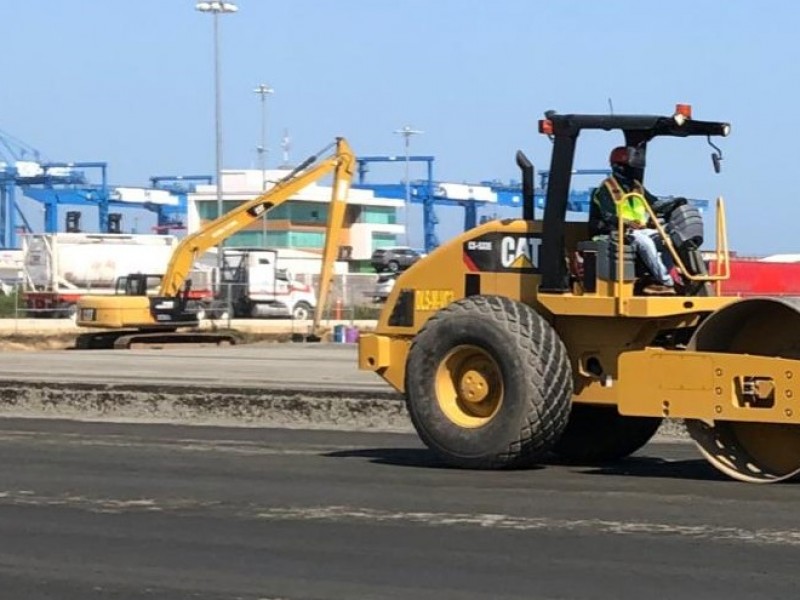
pixel 503 253
pixel 259 209
pixel 433 299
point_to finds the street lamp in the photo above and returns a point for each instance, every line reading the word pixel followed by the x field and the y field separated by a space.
pixel 216 9
pixel 263 90
pixel 407 132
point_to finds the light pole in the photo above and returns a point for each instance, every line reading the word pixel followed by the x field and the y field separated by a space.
pixel 216 9
pixel 263 90
pixel 407 132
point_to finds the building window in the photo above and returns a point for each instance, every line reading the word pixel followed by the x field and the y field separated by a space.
pixel 279 212
pixel 306 239
pixel 274 239
pixel 382 240
pixel 304 213
pixel 207 209
pixel 379 215
pixel 245 238
pixel 229 205
pixel 278 239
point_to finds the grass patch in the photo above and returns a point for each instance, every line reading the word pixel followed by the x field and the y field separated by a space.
pixel 367 313
pixel 8 306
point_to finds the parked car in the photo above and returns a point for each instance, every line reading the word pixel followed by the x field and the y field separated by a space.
pixel 383 287
pixel 394 258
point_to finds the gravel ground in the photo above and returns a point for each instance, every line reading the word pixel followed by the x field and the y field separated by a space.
pixel 261 408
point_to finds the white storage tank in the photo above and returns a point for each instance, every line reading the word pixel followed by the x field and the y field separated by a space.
pixel 88 260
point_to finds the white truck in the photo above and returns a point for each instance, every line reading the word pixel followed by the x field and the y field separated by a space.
pixel 254 286
pixel 58 268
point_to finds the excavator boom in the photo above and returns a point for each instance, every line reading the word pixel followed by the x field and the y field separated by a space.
pixel 212 234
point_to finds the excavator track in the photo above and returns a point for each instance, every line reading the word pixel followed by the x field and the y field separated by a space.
pixel 128 339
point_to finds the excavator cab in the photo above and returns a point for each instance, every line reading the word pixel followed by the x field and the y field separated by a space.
pixel 138 284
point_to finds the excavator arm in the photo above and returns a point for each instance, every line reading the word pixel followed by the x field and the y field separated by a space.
pixel 341 163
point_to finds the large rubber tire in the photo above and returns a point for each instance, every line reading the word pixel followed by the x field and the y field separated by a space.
pixel 218 310
pixel 599 434
pixel 302 311
pixel 528 380
pixel 67 310
pixel 242 308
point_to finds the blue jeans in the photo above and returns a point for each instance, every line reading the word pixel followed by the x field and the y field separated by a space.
pixel 648 243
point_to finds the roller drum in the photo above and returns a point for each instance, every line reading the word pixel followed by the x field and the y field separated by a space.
pixel 749 451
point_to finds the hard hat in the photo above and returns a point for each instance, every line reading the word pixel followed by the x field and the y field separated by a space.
pixel 618 156
pixel 627 156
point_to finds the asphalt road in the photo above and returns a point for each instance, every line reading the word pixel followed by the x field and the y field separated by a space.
pixel 128 511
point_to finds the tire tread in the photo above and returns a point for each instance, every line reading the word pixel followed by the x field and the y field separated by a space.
pixel 547 369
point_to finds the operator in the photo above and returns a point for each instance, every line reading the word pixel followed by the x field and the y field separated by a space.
pixel 640 233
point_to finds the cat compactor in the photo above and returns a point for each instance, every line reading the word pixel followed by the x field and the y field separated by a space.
pixel 134 315
pixel 526 336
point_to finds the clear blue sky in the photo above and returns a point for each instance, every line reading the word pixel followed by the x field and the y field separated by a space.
pixel 130 82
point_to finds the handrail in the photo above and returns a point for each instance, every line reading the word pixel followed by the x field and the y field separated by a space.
pixel 721 252
pixel 620 258
pixel 722 255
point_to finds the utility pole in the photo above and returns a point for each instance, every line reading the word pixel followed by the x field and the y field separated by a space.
pixel 263 90
pixel 286 146
pixel 407 132
pixel 217 8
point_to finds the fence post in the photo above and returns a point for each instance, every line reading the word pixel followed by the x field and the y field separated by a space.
pixel 337 310
pixel 230 305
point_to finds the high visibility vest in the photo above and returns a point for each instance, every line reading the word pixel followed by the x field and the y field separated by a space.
pixel 634 207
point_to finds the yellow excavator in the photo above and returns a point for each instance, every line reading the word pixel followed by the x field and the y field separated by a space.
pixel 528 337
pixel 133 316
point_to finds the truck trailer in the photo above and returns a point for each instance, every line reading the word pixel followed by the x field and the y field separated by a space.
pixel 59 268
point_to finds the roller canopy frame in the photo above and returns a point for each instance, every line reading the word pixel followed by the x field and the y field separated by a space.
pixel 638 130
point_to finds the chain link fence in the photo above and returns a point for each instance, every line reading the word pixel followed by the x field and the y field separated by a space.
pixel 352 297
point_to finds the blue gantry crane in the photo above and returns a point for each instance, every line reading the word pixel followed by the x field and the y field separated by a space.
pixel 419 191
pixel 21 166
pixel 81 184
pixel 173 216
pixel 429 193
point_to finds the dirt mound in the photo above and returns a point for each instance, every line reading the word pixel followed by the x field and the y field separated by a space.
pixel 38 341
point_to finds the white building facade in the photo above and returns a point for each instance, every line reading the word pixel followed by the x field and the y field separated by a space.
pixel 299 224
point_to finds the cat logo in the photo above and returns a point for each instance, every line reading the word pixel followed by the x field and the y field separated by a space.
pixel 259 209
pixel 501 252
pixel 520 252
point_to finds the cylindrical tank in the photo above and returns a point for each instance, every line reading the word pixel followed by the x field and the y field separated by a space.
pixel 92 260
pixel 338 334
pixel 351 335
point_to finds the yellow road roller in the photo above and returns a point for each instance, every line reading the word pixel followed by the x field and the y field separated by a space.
pixel 525 337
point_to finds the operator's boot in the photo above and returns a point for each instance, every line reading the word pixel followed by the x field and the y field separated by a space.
pixel 657 289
